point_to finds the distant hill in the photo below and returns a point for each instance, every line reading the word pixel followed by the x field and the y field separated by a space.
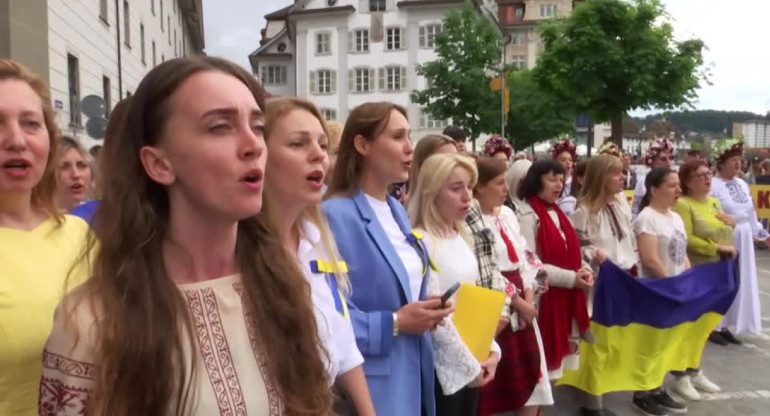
pixel 703 121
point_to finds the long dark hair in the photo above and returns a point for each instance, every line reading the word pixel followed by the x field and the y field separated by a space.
pixel 654 179
pixel 138 337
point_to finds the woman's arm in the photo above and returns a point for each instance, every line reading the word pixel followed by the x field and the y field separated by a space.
pixel 648 254
pixel 354 384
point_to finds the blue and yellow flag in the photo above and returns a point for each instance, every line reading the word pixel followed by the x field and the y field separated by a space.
pixel 644 328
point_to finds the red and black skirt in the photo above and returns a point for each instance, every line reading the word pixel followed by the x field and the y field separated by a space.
pixel 518 371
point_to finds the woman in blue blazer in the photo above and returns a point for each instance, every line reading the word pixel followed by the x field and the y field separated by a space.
pixel 388 265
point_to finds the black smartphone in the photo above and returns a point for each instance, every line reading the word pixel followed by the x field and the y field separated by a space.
pixel 448 294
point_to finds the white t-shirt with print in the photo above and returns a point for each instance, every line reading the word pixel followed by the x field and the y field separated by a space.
pixel 672 238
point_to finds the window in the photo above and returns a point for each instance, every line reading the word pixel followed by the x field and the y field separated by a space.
pixel 519 61
pixel 361 80
pixel 103 10
pixel 141 39
pixel 323 81
pixel 273 75
pixel 176 50
pixel 126 24
pixel 393 39
pixel 547 10
pixel 518 11
pixel 152 7
pixel 359 41
pixel 161 15
pixel 323 45
pixel 168 21
pixel 519 38
pixel 73 79
pixel 428 122
pixel 377 5
pixel 162 57
pixel 392 78
pixel 154 57
pixel 329 114
pixel 107 95
pixel 428 35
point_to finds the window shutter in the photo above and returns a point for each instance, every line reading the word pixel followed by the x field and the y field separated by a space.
pixel 334 82
pixel 403 78
pixel 402 31
pixel 371 79
pixel 351 41
pixel 422 37
pixel 351 80
pixel 313 83
pixel 382 78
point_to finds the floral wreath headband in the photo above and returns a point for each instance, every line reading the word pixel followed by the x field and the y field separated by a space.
pixel 657 146
pixel 609 148
pixel 725 149
pixel 563 145
pixel 497 144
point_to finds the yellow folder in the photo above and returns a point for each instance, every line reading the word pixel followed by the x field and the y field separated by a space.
pixel 477 312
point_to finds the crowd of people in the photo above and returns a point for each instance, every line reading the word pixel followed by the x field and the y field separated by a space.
pixel 223 254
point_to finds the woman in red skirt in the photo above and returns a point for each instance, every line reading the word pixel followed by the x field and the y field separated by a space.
pixel 521 383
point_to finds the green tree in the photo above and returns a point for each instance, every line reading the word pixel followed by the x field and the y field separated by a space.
pixel 469 55
pixel 535 115
pixel 612 56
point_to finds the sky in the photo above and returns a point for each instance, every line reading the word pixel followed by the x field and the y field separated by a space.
pixel 736 33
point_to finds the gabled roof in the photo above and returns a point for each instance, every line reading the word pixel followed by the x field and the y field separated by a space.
pixel 262 49
pixel 279 14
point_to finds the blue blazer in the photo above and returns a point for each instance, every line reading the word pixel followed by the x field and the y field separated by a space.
pixel 399 371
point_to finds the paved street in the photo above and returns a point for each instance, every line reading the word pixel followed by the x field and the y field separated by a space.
pixel 743 372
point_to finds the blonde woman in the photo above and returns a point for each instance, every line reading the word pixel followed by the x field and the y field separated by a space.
pixel 73 174
pixel 442 200
pixel 297 142
pixel 37 243
pixel 603 226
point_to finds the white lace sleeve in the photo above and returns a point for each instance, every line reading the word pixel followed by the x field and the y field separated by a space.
pixel 455 365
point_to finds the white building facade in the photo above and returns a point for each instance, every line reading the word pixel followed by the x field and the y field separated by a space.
pixel 348 52
pixel 756 133
pixel 98 47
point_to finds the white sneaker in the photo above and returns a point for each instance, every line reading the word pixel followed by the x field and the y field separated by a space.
pixel 684 388
pixel 702 383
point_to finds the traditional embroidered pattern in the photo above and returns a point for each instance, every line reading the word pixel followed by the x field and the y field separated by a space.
pixel 737 193
pixel 272 392
pixel 57 398
pixel 215 351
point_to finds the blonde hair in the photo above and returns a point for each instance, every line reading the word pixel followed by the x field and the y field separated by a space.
pixel 422 209
pixel 425 148
pixel 333 129
pixel 43 191
pixel 277 108
pixel 593 194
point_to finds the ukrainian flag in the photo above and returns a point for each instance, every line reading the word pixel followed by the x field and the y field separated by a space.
pixel 644 328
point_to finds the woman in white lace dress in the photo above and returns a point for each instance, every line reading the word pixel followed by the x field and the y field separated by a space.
pixel 441 201
pixel 735 197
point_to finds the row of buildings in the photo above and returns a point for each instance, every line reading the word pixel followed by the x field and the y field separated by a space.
pixel 96 48
pixel 341 53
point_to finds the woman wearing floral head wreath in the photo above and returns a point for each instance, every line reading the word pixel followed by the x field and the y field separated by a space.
pixel 498 148
pixel 660 154
pixel 735 197
pixel 565 153
pixel 610 148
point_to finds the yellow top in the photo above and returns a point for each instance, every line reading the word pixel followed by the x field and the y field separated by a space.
pixel 34 266
pixel 704 230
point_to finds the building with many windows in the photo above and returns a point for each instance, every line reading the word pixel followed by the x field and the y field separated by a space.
pixel 755 133
pixel 96 47
pixel 342 53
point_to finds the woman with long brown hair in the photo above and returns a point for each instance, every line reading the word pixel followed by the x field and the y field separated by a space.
pixel 38 244
pixel 388 264
pixel 298 144
pixel 193 307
